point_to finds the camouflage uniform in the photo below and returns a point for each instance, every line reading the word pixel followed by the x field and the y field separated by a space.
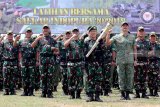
pixel 74 63
pixel 140 75
pixel 94 69
pixel 124 60
pixel 153 73
pixel 57 72
pixel 28 66
pixel 1 65
pixel 107 67
pixel 47 63
pixel 9 67
pixel 63 66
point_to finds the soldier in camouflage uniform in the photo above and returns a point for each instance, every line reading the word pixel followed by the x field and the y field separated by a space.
pixel 107 67
pixel 154 58
pixel 125 47
pixel 47 48
pixel 28 55
pixel 10 53
pixel 63 62
pixel 141 68
pixel 1 64
pixel 94 66
pixel 74 63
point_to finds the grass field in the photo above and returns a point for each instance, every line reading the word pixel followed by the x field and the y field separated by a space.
pixel 60 100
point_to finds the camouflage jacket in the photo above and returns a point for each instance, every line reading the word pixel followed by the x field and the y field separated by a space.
pixel 28 53
pixel 98 54
pixel 75 51
pixel 143 48
pixel 46 54
pixel 10 53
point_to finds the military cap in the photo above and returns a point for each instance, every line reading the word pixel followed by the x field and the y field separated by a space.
pixel 153 34
pixel 92 28
pixel 124 23
pixel 140 28
pixel 9 32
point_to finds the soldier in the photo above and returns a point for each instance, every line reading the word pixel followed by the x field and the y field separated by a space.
pixel 125 46
pixel 75 57
pixel 63 62
pixel 1 63
pixel 141 68
pixel 47 48
pixel 57 72
pixel 154 58
pixel 109 60
pixel 18 74
pixel 28 55
pixel 94 66
pixel 10 53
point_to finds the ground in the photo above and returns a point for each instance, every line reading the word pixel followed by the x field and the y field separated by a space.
pixel 60 100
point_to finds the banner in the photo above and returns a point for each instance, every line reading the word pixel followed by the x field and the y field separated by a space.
pixel 64 15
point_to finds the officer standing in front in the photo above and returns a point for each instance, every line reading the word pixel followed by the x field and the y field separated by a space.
pixel 125 47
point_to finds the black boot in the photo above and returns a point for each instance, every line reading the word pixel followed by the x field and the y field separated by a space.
pixel 55 89
pixel 44 92
pixel 127 95
pixel 65 90
pixel 6 92
pixel 13 92
pixel 156 93
pixel 78 94
pixel 144 94
pixel 25 92
pixel 106 93
pixel 123 96
pixel 49 94
pixel 137 94
pixel 97 98
pixel 31 90
pixel 72 94
pixel 151 92
pixel 90 97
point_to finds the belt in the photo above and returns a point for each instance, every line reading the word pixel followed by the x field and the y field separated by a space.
pixel 74 64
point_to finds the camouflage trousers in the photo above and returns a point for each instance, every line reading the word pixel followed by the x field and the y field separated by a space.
pixel 28 77
pixel 140 77
pixel 75 76
pixel 57 75
pixel 153 75
pixel 47 76
pixel 37 78
pixel 9 77
pixel 125 76
pixel 64 78
pixel 94 77
pixel 1 76
pixel 106 77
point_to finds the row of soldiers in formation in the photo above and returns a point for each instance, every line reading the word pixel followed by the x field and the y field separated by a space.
pixel 69 52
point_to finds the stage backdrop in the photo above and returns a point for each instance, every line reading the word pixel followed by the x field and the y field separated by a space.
pixel 63 15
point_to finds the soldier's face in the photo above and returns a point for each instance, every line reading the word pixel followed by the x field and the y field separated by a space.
pixel 153 39
pixel 75 32
pixel 93 33
pixel 46 30
pixel 10 37
pixel 68 35
pixel 28 34
pixel 125 28
pixel 141 34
